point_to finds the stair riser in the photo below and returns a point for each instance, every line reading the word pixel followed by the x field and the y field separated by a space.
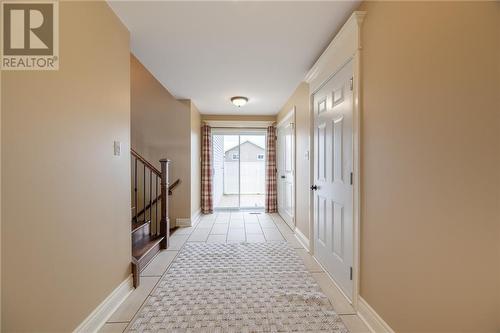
pixel 141 233
pixel 142 263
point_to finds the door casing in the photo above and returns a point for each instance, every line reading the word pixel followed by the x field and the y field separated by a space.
pixel 289 119
pixel 345 46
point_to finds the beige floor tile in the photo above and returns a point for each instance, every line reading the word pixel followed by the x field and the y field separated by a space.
pixel 309 261
pixel 159 264
pixel 340 304
pixel 219 229
pixel 238 235
pixel 205 224
pixel 251 221
pixel 176 242
pixel 354 324
pixel 199 235
pixel 235 224
pixel 256 238
pixel 216 238
pixel 269 224
pixel 263 217
pixel 292 241
pixel 183 231
pixel 284 228
pixel 273 235
pixel 253 228
pixel 113 328
pixel 131 305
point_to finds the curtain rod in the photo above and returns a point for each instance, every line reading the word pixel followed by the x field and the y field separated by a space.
pixel 242 128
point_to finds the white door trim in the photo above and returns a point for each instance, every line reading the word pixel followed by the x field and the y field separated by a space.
pixel 345 46
pixel 291 116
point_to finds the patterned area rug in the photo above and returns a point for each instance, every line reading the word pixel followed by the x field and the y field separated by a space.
pixel 245 287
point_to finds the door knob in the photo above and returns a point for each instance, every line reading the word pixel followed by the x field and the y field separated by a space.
pixel 314 187
pixel 283 177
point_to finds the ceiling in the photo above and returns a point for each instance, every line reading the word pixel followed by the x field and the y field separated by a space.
pixel 211 51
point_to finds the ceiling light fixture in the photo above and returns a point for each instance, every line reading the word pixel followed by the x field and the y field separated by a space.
pixel 239 101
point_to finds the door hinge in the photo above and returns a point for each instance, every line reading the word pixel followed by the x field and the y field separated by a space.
pixel 351 84
pixel 351 178
pixel 350 274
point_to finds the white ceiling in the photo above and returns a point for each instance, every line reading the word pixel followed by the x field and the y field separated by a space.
pixel 211 51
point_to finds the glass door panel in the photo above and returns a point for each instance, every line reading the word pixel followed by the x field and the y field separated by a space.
pixel 226 180
pixel 252 170
pixel 239 170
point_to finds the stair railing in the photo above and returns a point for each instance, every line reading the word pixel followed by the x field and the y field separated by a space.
pixel 155 189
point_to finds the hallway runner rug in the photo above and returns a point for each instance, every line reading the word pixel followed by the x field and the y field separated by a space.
pixel 237 287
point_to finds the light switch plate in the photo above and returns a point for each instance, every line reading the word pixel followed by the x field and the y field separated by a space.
pixel 117 148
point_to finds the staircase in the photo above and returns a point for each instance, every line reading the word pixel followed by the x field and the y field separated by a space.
pixel 150 224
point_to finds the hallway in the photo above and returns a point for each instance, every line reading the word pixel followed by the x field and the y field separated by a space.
pixel 230 227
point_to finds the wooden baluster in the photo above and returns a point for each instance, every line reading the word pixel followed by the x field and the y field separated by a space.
pixel 150 196
pixel 164 222
pixel 156 208
pixel 135 190
pixel 144 191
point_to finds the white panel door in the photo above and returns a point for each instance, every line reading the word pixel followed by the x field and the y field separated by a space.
pixel 333 191
pixel 286 171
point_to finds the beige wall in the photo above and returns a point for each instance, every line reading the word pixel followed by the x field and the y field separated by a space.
pixel 161 128
pixel 0 202
pixel 300 99
pixel 195 160
pixel 430 165
pixel 65 196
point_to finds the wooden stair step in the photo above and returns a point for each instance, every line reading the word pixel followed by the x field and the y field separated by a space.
pixel 137 225
pixel 144 245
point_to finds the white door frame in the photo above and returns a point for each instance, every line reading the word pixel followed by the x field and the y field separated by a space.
pixel 345 46
pixel 291 116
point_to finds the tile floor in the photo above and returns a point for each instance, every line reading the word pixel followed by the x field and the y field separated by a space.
pixel 230 227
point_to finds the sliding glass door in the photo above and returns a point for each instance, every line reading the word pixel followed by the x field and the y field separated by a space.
pixel 239 168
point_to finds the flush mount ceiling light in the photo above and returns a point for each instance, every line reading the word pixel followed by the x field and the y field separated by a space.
pixel 239 101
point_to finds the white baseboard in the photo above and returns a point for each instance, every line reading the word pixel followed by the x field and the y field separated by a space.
pixel 183 222
pixel 196 217
pixel 303 240
pixel 101 314
pixel 188 222
pixel 371 318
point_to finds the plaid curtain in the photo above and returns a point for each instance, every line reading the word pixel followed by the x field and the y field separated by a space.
pixel 271 190
pixel 207 206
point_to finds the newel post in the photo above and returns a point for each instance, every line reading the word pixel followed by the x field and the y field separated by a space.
pixel 164 221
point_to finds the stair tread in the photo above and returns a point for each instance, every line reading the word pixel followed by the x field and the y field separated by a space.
pixel 144 244
pixel 138 225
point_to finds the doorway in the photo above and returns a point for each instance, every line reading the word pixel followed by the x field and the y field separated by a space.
pixel 239 168
pixel 286 168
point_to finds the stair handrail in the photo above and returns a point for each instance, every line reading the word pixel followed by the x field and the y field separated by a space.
pixel 145 162
pixel 173 186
